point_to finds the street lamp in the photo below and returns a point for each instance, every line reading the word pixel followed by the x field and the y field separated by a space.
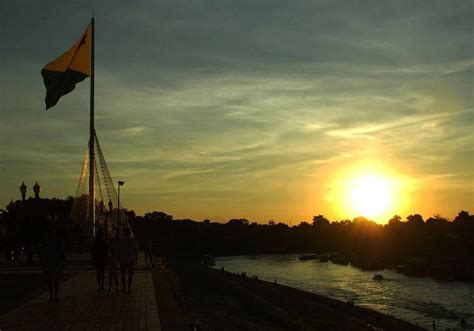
pixel 120 183
pixel 23 189
pixel 37 189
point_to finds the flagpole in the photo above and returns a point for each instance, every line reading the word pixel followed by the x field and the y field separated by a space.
pixel 92 143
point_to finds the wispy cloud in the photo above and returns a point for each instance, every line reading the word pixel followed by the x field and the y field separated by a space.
pixel 255 102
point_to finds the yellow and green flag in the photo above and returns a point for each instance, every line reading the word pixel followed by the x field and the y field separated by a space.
pixel 62 74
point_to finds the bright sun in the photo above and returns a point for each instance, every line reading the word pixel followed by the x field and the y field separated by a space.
pixel 370 189
pixel 370 195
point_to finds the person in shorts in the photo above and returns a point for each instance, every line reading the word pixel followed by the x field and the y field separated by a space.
pixel 52 259
pixel 113 269
pixel 128 255
pixel 99 254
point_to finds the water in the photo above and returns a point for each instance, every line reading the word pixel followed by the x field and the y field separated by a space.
pixel 419 300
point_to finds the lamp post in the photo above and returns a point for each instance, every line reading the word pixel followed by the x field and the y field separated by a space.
pixel 37 190
pixel 23 189
pixel 120 183
pixel 24 223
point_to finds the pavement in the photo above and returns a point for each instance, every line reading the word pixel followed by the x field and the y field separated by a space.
pixel 80 307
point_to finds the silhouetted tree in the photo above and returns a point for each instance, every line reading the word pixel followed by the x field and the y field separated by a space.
pixel 415 220
pixel 320 220
pixel 395 220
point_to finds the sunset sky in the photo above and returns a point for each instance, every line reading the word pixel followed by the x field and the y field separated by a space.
pixel 248 109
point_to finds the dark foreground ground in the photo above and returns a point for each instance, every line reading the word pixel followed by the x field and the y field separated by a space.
pixel 18 288
pixel 211 299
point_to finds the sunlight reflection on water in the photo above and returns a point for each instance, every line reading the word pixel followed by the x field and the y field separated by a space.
pixel 419 300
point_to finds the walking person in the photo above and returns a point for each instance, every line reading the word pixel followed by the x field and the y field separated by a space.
pixel 113 269
pixel 99 255
pixel 52 259
pixel 128 255
pixel 148 254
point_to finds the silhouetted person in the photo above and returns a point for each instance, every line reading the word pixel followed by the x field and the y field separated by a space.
pixel 113 269
pixel 52 261
pixel 99 254
pixel 148 253
pixel 128 255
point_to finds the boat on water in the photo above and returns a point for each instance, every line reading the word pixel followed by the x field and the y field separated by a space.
pixel 324 258
pixel 339 258
pixel 378 277
pixel 305 257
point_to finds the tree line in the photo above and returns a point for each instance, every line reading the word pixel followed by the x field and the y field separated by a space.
pixel 435 246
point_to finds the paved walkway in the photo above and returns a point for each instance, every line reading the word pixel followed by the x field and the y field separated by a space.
pixel 82 308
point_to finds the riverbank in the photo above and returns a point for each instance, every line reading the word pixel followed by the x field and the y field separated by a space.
pixel 219 300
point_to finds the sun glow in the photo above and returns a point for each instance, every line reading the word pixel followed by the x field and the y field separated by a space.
pixel 370 189
pixel 370 196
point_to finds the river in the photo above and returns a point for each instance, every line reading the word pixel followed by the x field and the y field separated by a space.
pixel 419 300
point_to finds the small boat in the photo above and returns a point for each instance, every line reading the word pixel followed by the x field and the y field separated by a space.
pixel 306 257
pixel 324 258
pixel 378 277
pixel 339 259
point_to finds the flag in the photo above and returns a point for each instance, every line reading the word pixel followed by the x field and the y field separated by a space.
pixel 62 74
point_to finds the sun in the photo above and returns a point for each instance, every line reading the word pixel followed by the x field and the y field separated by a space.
pixel 368 188
pixel 370 196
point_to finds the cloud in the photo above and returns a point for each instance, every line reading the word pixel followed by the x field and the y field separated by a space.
pixel 204 101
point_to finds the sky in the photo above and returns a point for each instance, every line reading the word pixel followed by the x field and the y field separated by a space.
pixel 247 109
